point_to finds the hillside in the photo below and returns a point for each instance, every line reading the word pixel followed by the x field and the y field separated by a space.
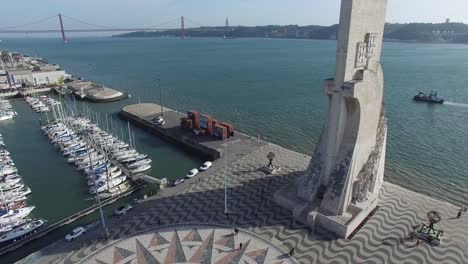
pixel 413 32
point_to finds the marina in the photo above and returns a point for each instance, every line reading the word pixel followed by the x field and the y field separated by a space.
pixel 15 221
pixel 74 191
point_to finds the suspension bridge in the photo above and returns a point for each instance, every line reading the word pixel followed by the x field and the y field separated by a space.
pixel 91 27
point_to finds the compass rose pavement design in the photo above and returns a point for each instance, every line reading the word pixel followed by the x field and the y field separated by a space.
pixel 195 243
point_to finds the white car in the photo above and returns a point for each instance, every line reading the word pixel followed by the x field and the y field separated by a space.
pixel 159 120
pixel 122 210
pixel 75 233
pixel 206 166
pixel 179 181
pixel 192 173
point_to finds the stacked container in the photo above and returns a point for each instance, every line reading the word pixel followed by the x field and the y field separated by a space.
pixel 189 124
pixel 195 117
pixel 230 129
pixel 220 131
pixel 206 122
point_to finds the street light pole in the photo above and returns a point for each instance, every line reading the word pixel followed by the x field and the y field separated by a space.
pixel 225 178
pixel 160 96
pixel 101 213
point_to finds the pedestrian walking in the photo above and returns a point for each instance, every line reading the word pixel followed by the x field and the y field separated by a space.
pixel 459 214
pixel 291 252
pixel 240 246
pixel 159 220
pixel 417 243
pixel 236 231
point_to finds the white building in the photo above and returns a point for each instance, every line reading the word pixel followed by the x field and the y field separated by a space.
pixel 47 77
pixel 36 78
pixel 18 77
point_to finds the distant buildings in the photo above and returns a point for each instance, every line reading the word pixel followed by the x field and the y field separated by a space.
pixel 23 71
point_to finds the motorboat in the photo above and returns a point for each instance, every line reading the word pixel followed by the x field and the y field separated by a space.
pixel 4 117
pixel 22 231
pixel 431 98
pixel 8 170
pixel 103 177
pixel 11 225
pixel 103 185
pixel 141 168
pixel 139 163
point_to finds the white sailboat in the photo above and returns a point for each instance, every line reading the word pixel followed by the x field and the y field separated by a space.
pixel 15 215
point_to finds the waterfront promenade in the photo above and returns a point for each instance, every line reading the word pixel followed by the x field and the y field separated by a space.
pixel 384 238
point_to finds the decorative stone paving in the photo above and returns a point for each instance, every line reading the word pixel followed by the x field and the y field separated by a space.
pixel 383 239
pixel 191 244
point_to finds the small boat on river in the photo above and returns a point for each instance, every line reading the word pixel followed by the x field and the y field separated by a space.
pixel 431 98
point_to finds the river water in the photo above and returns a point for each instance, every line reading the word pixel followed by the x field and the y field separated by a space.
pixel 269 87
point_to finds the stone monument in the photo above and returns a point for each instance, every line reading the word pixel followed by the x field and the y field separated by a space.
pixel 341 184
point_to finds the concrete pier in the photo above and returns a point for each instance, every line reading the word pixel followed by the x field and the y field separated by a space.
pixel 95 93
pixel 204 145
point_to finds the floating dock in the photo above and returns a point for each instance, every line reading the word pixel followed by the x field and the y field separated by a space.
pixel 206 146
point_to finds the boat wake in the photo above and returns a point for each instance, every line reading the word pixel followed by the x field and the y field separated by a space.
pixel 456 104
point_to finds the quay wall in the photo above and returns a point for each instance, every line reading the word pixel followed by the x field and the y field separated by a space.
pixel 181 140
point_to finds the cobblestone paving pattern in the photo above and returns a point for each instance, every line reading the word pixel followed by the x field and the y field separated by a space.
pixel 383 239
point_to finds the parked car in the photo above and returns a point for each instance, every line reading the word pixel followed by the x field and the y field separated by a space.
pixel 75 233
pixel 179 181
pixel 206 166
pixel 122 210
pixel 192 173
pixel 159 120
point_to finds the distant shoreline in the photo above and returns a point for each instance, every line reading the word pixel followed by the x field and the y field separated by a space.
pixel 189 37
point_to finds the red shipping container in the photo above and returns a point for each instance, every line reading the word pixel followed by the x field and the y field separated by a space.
pixel 206 119
pixel 229 127
pixel 220 131
pixel 215 122
pixel 189 124
pixel 209 129
pixel 196 122
pixel 193 114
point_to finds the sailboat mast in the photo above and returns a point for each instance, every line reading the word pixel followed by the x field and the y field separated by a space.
pixel 129 134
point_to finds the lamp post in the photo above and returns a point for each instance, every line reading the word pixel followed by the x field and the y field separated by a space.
pixel 225 177
pixel 160 95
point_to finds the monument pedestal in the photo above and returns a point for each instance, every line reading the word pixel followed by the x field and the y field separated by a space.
pixel 309 213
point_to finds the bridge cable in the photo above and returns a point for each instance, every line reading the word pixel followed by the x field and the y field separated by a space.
pixel 107 27
pixel 30 23
pixel 89 24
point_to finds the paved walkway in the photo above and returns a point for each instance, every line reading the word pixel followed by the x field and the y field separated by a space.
pixel 383 239
pixel 196 243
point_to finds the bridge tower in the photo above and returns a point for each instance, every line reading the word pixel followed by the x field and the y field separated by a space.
pixel 62 29
pixel 182 27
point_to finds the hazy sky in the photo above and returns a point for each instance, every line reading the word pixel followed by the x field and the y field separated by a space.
pixel 143 13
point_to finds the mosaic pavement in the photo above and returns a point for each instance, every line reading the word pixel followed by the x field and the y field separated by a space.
pixel 191 244
pixel 383 239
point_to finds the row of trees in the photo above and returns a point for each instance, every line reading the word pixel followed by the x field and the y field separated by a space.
pixel 9 59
